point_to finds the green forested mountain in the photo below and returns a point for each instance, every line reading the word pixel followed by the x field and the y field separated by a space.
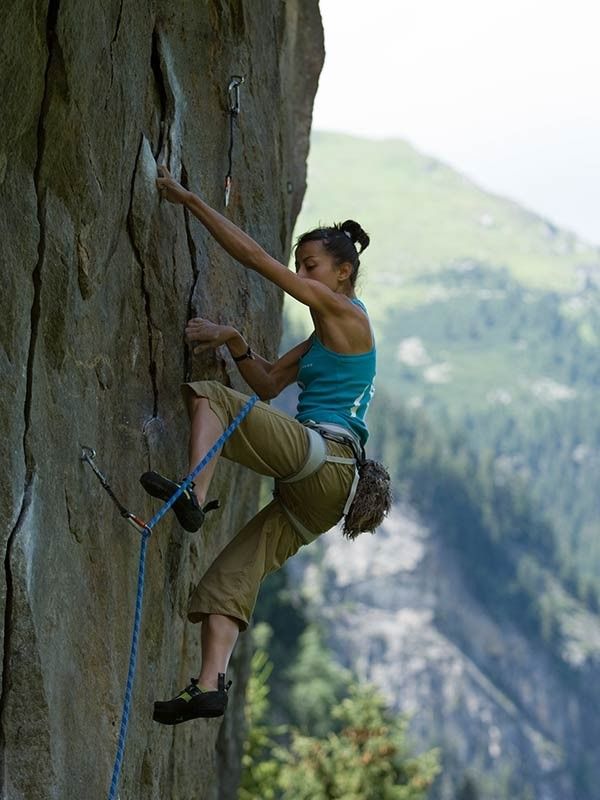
pixel 457 610
pixel 475 606
pixel 423 215
pixel 488 319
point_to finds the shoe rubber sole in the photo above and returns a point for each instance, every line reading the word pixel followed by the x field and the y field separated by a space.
pixel 171 717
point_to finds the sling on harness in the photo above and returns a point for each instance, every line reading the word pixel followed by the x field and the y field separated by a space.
pixel 88 454
pixel 317 456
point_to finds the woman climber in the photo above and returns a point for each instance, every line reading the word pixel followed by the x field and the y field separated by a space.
pixel 316 459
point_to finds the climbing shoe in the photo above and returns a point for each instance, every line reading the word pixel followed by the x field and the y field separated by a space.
pixel 193 702
pixel 187 508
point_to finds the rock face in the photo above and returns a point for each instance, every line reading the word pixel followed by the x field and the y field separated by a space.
pixel 99 278
pixel 500 704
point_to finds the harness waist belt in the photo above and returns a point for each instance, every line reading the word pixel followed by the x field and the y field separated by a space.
pixel 337 433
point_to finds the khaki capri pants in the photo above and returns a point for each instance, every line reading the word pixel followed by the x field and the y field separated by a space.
pixel 274 444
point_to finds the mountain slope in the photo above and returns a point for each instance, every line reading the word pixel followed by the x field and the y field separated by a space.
pixel 487 316
pixel 422 215
pixel 455 609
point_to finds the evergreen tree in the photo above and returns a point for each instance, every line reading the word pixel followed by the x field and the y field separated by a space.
pixel 318 684
pixel 468 789
pixel 260 771
pixel 367 760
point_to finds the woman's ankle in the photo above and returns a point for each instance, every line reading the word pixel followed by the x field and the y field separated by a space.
pixel 207 683
pixel 200 496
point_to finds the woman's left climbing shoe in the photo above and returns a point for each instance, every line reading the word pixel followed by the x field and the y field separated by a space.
pixel 186 507
pixel 193 702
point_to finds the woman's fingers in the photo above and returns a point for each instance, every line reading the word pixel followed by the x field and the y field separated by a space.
pixel 163 173
pixel 205 332
pixel 199 329
pixel 199 322
pixel 161 185
pixel 195 325
pixel 168 187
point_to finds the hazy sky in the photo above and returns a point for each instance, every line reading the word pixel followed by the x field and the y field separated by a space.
pixel 507 91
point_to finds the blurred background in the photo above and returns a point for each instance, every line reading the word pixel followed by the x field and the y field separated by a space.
pixel 504 92
pixel 464 138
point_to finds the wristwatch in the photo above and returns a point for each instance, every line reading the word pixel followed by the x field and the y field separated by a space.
pixel 247 354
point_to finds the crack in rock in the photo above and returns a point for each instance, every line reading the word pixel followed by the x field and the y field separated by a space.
pixel 172 103
pixel 8 611
pixel 36 278
pixel 138 255
pixel 195 269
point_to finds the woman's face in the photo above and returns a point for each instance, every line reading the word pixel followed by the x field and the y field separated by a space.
pixel 314 262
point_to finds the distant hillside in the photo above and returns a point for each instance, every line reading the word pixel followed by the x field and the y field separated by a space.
pixel 487 315
pixel 423 215
pixel 476 606
pixel 455 608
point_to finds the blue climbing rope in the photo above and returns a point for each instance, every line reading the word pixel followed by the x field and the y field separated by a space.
pixel 145 534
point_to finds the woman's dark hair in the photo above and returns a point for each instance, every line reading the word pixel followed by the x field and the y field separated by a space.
pixel 340 240
pixel 372 501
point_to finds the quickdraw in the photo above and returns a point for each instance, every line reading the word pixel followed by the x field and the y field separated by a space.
pixel 88 454
pixel 233 99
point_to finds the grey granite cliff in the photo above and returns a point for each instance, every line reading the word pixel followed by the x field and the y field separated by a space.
pixel 98 279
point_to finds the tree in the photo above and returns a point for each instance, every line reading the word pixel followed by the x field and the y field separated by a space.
pixel 468 789
pixel 317 684
pixel 365 755
pixel 260 771
pixel 367 760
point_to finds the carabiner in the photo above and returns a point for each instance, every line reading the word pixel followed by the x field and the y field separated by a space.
pixel 87 453
pixel 233 93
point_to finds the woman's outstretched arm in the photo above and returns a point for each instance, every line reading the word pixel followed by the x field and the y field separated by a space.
pixel 248 252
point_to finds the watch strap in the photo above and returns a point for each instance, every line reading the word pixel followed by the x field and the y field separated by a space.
pixel 247 354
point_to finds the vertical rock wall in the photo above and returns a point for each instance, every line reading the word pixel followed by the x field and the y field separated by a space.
pixel 98 280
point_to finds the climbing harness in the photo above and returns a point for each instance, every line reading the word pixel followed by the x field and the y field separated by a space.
pixel 88 455
pixel 317 456
pixel 233 99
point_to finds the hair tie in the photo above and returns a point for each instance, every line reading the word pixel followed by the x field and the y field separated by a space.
pixel 349 235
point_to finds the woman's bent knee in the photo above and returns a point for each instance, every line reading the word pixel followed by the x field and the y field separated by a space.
pixel 194 403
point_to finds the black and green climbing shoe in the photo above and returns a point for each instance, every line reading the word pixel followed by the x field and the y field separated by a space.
pixel 191 703
pixel 186 507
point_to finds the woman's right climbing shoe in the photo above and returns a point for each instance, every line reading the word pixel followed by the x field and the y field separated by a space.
pixel 192 703
pixel 186 507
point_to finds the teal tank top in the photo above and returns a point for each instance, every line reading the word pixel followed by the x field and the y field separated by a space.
pixel 336 387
